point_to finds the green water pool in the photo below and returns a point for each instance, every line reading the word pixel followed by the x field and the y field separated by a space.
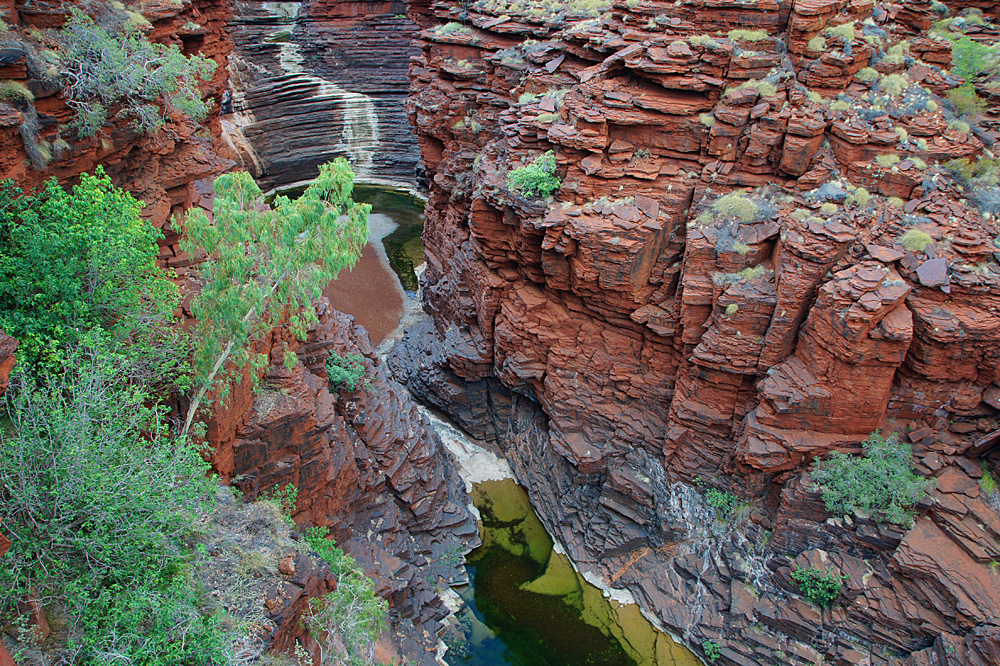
pixel 527 606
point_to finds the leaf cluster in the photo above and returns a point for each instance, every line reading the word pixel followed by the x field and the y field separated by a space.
pixel 820 587
pixel 266 265
pixel 81 263
pixel 881 484
pixel 110 65
pixel 345 371
pixel 537 178
pixel 97 498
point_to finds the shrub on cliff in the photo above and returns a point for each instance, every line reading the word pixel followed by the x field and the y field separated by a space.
pixel 110 64
pixel 79 261
pixel 880 484
pixel 265 265
pixel 820 587
pixel 97 499
pixel 345 371
pixel 536 179
pixel 353 613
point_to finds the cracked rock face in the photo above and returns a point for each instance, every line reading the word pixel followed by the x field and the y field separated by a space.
pixel 755 257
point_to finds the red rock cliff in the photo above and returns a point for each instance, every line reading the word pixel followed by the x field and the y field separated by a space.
pixel 643 330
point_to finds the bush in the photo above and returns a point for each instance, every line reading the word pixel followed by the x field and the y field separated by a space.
pixel 537 178
pixel 734 205
pixel 887 160
pixel 96 498
pixel 111 65
pixel 966 101
pixel 352 612
pixel 345 371
pixel 867 75
pixel 16 92
pixel 78 261
pixel 712 649
pixel 881 484
pixel 748 35
pixel 969 59
pixel 820 587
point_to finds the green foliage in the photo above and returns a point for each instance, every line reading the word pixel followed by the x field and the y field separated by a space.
pixel 969 59
pixel 352 612
pixel 915 240
pixel 79 261
pixel 706 119
pixel 110 64
pixel 265 266
pixel 988 484
pixel 881 484
pixel 966 101
pixel 345 371
pixel 537 178
pixel 96 497
pixel 16 92
pixel 820 587
pixel 712 649
pixel 723 502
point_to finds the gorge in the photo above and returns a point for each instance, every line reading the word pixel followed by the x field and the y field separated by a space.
pixel 775 232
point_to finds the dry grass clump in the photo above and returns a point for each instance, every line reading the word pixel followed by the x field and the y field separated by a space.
pixel 867 75
pixel 887 160
pixel 915 240
pixel 735 205
pixel 747 35
pixel 237 562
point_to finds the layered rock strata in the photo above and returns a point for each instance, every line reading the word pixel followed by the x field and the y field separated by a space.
pixel 365 463
pixel 312 81
pixel 754 258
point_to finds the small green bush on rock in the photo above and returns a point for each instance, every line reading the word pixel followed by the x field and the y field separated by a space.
pixel 712 649
pixel 820 587
pixel 345 371
pixel 537 178
pixel 881 484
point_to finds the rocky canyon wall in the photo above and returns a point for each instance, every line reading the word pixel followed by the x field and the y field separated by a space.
pixel 321 79
pixel 365 464
pixel 723 288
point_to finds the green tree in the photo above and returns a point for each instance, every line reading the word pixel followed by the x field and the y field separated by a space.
pixel 110 64
pixel 264 266
pixel 79 261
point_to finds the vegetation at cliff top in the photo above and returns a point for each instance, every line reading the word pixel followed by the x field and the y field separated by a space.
pixel 109 64
pixel 536 179
pixel 880 484
pixel 81 263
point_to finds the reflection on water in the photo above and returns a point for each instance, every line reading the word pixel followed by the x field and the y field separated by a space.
pixel 527 606
pixel 403 245
pixel 374 291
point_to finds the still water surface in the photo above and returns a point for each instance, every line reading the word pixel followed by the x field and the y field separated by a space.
pixel 527 606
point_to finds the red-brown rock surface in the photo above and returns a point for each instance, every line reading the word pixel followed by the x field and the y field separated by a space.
pixel 754 258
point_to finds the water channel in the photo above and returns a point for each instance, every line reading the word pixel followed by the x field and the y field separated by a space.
pixel 525 605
